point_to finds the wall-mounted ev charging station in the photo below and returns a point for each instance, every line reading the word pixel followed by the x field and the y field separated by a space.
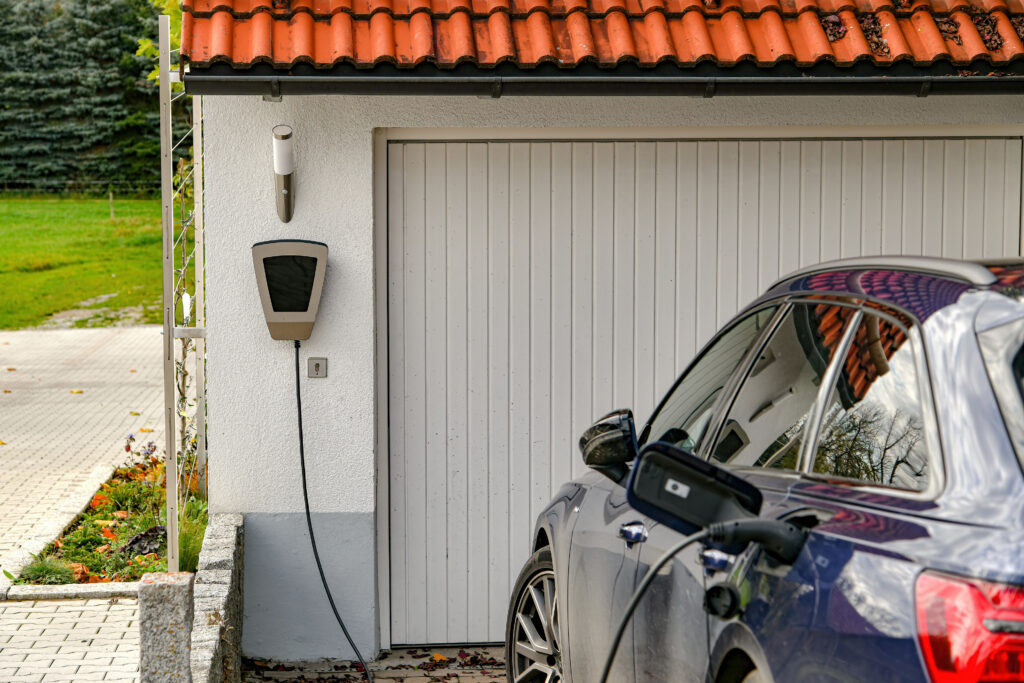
pixel 290 278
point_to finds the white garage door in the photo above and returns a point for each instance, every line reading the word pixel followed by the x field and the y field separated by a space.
pixel 534 286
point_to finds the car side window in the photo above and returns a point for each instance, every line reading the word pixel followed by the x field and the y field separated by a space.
pixel 685 414
pixel 872 431
pixel 765 424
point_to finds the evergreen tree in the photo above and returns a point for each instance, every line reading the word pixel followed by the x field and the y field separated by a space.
pixel 76 110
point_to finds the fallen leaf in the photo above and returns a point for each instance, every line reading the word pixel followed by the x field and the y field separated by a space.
pixel 98 579
pixel 132 370
pixel 107 533
pixel 7 391
pixel 145 429
pixel 151 556
pixel 105 522
pixel 11 369
pixel 122 514
pixel 76 391
pixel 102 549
pixel 438 657
pixel 2 443
pixel 79 571
pixel 132 412
pixel 98 500
pixel 58 543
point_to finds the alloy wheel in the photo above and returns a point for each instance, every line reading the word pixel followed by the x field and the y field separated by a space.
pixel 537 657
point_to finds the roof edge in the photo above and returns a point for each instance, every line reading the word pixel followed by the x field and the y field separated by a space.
pixel 703 80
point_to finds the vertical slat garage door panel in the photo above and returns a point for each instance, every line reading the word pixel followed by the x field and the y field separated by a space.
pixel 534 286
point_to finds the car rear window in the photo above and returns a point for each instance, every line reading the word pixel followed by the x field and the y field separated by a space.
pixel 1002 348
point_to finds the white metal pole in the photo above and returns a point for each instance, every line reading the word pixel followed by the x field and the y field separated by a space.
pixel 166 193
pixel 199 264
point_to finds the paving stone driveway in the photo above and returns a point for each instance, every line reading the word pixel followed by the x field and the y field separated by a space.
pixel 69 640
pixel 67 399
pixel 59 445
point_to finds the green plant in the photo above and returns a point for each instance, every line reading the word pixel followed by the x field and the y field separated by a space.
pixel 48 570
pixel 135 496
pixel 121 535
pixel 191 530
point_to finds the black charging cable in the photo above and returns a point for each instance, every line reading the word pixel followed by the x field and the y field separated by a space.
pixel 309 523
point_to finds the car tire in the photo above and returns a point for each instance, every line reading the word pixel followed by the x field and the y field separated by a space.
pixel 532 639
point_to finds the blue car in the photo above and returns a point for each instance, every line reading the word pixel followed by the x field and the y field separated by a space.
pixel 876 405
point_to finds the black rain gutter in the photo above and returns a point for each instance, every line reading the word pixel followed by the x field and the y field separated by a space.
pixel 705 80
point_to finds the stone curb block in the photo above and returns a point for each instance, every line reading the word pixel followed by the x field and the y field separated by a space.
pixel 85 591
pixel 165 624
pixel 217 601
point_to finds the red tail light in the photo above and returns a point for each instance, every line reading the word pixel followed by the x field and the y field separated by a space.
pixel 970 631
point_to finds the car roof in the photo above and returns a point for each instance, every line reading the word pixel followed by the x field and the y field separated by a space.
pixel 919 285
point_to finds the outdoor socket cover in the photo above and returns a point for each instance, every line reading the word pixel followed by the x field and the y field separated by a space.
pixel 284 170
pixel 290 278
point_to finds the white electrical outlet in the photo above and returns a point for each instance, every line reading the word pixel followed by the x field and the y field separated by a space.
pixel 317 367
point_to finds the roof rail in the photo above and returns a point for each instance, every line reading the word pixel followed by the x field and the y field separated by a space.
pixel 968 271
pixel 1002 262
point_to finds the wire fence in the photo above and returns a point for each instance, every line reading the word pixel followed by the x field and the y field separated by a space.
pixel 181 190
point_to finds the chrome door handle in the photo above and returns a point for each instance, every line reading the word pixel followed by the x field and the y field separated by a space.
pixel 715 560
pixel 633 532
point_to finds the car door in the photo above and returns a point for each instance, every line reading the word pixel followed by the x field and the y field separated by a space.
pixel 759 432
pixel 669 630
pixel 600 581
pixel 844 610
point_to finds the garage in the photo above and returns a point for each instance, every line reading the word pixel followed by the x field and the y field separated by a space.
pixel 535 285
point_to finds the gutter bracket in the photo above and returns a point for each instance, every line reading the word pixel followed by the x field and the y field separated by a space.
pixel 275 91
pixel 709 89
pixel 496 87
pixel 926 87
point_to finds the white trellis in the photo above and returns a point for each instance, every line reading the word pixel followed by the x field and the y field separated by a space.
pixel 184 305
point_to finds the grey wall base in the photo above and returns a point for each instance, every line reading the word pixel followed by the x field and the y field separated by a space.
pixel 287 616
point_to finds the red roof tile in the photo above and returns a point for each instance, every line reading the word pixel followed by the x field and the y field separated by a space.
pixel 325 33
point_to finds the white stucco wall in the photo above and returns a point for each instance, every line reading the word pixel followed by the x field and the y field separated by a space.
pixel 252 433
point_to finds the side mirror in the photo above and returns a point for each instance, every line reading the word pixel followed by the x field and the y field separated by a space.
pixel 685 493
pixel 610 444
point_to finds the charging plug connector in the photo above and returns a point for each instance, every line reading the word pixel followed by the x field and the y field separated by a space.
pixel 782 540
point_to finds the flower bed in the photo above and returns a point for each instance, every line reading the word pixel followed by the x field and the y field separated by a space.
pixel 122 534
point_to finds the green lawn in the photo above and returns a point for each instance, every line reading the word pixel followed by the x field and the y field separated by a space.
pixel 57 253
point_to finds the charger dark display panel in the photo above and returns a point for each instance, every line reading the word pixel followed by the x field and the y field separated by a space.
pixel 290 282
pixel 290 278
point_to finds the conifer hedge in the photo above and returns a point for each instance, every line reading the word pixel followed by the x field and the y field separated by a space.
pixel 77 113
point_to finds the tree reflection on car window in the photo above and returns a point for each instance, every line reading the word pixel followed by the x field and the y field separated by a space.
pixel 872 427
